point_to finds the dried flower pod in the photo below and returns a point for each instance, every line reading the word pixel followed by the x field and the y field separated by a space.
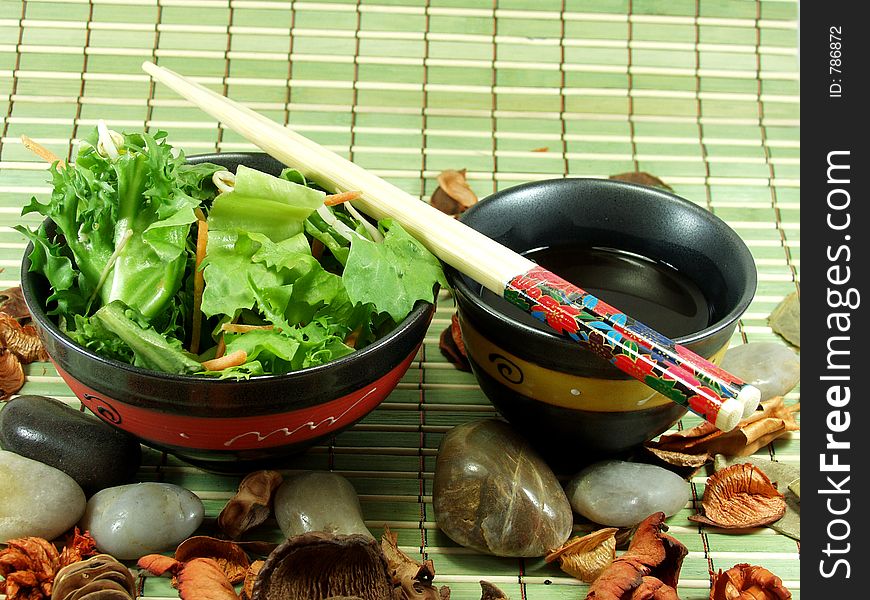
pixel 490 592
pixel 203 579
pixel 99 576
pixel 649 569
pixel 453 195
pixel 697 446
pixel 740 496
pixel 747 582
pixel 586 557
pixel 251 505
pixel 318 565
pixel 412 580
pixel 27 566
pixel 11 374
pixel 229 556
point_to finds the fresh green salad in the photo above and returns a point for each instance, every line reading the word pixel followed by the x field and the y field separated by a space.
pixel 286 281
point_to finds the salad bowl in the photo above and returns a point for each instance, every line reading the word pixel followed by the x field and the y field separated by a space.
pixel 223 424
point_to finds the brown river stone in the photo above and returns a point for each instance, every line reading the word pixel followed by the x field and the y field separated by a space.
pixel 494 494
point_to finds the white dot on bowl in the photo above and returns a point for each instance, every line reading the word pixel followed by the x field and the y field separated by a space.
pixel 184 435
pixel 575 392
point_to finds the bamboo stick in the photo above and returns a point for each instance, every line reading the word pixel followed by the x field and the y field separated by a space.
pixel 669 368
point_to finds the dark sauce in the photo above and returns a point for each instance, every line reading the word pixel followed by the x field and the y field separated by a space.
pixel 654 293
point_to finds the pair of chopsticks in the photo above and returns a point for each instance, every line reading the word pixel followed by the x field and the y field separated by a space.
pixel 667 367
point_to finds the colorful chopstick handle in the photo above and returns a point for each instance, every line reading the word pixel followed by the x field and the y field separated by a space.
pixel 667 367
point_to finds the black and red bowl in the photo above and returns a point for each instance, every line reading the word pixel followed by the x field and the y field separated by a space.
pixel 230 425
pixel 565 399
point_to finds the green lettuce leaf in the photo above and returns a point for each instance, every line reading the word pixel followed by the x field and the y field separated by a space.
pixel 393 274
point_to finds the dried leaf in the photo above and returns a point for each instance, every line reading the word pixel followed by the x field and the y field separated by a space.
pixel 251 505
pixel 452 347
pixel 642 178
pixel 228 555
pixel 490 592
pixel 697 446
pixel 12 303
pixel 203 579
pixel 649 569
pixel 740 496
pixel 453 195
pixel 412 580
pixel 586 557
pixel 780 475
pixel 747 582
pixel 22 340
pixel 159 565
pixel 786 319
pixel 11 374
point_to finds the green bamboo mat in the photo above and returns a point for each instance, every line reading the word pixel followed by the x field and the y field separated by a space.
pixel 704 94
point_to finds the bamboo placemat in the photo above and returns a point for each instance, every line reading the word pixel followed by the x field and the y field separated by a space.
pixel 704 94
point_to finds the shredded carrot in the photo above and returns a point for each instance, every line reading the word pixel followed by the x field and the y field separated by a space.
pixel 241 328
pixel 234 359
pixel 342 197
pixel 198 283
pixel 220 348
pixel 41 151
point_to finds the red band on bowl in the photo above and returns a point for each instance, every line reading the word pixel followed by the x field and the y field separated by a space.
pixel 239 433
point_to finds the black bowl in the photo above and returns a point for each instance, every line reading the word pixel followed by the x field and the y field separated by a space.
pixel 561 396
pixel 229 425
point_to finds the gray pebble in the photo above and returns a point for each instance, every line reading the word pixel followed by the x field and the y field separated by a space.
pixel 129 521
pixel 36 499
pixel 773 368
pixel 622 494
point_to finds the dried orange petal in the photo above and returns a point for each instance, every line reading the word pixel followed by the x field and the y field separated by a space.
pixel 740 496
pixel 747 581
pixel 586 557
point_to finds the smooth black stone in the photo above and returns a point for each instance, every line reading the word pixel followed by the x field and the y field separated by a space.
pixel 95 454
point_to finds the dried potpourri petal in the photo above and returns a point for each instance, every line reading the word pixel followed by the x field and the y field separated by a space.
pixel 412 580
pixel 747 582
pixel 786 319
pixel 78 546
pixel 453 195
pixel 452 347
pixel 22 340
pixel 250 577
pixel 27 566
pixel 159 564
pixel 740 496
pixel 586 557
pixel 203 579
pixel 697 446
pixel 228 555
pixel 251 505
pixel 490 592
pixel 642 178
pixel 12 303
pixel 649 569
pixel 11 374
